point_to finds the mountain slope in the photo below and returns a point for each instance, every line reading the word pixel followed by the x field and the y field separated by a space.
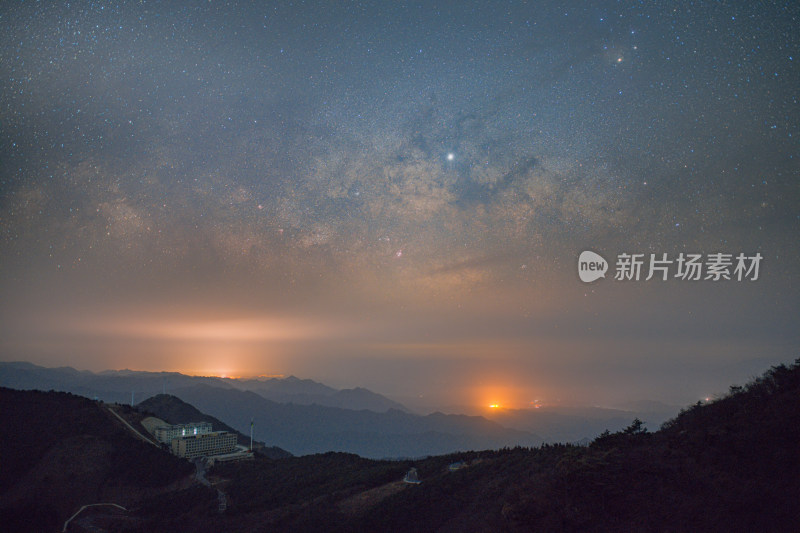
pixel 173 410
pixel 62 451
pixel 732 465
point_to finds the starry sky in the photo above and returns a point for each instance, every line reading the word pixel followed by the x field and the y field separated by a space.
pixel 395 194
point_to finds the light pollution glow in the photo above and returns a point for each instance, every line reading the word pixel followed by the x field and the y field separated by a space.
pixel 395 198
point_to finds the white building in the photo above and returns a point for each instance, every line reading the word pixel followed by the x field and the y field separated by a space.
pixel 204 445
pixel 165 434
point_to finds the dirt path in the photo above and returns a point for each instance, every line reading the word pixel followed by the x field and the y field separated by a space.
pixel 355 505
pixel 130 427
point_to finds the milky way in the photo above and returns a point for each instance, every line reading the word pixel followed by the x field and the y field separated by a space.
pixel 413 182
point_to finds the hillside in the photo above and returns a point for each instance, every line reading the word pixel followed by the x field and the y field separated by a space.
pixel 731 465
pixel 175 411
pixel 62 451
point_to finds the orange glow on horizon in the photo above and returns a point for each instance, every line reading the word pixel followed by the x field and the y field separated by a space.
pixel 228 374
pixel 499 396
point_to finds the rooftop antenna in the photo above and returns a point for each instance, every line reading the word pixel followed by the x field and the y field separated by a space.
pixel 131 398
pixel 251 434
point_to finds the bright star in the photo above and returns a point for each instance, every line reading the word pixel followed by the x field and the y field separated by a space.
pixel 451 156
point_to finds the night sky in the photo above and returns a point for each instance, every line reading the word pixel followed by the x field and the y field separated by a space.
pixel 395 194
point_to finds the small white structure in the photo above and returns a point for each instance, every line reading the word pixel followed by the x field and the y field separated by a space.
pixel 412 477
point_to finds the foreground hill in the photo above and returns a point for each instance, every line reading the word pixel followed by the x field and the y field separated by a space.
pixel 175 411
pixel 61 451
pixel 731 465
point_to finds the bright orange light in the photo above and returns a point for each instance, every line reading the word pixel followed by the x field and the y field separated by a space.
pixel 495 397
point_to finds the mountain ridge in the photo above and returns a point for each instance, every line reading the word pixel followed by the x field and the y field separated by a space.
pixel 118 385
pixel 520 427
pixel 307 429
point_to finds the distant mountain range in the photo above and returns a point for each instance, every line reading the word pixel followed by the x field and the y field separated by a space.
pixel 305 429
pixel 303 416
pixel 300 427
pixel 308 392
pixel 120 386
pixel 123 385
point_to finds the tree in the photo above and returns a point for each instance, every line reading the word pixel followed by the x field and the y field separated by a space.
pixel 636 428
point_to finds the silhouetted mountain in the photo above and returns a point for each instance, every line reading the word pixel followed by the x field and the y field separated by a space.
pixel 173 410
pixel 289 386
pixel 119 385
pixel 27 376
pixel 305 429
pixel 300 428
pixel 109 386
pixel 309 392
pixel 61 451
pixel 352 398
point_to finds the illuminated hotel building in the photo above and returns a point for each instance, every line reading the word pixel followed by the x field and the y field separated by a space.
pixel 165 434
pixel 217 443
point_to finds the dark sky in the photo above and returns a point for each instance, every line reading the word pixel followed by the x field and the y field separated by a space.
pixel 395 195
